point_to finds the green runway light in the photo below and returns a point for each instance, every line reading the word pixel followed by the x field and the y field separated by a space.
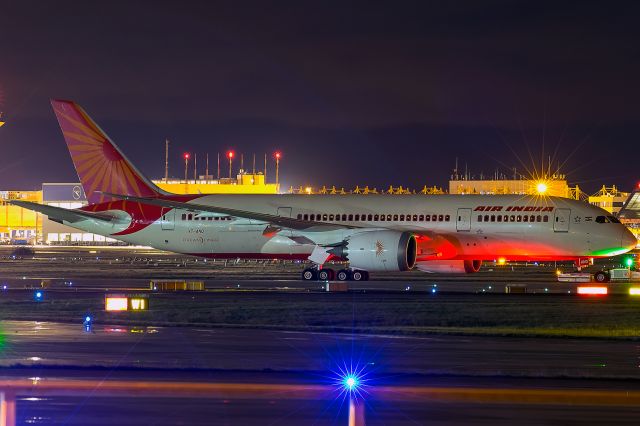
pixel 629 262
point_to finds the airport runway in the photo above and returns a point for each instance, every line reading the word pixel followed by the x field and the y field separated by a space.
pixel 55 344
pixel 497 375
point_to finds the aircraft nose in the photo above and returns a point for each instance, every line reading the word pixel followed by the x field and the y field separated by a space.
pixel 628 241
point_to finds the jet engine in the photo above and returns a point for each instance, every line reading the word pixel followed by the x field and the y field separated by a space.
pixel 450 266
pixel 379 251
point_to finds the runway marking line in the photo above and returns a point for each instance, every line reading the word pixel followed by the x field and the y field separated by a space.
pixel 132 388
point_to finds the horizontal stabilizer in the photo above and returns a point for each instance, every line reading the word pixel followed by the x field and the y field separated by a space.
pixel 60 214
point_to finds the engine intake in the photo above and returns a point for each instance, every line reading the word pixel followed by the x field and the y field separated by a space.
pixel 380 251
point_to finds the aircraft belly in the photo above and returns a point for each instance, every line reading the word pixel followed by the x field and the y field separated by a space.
pixel 214 240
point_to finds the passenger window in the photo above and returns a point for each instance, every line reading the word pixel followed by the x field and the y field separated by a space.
pixel 370 218
pixel 427 218
pixel 538 218
pixel 525 218
pixel 518 218
pixel 545 218
pixel 486 218
pixel 415 217
pixel 324 217
pixel 401 218
pixel 344 217
pixel 513 218
pixel 305 217
pixel 299 216
pixel 613 219
pixel 532 219
pixel 388 218
pixel 395 217
pixel 356 217
pixel 184 216
pixel 447 218
pixel 499 218
pixel 434 217
pixel 210 218
pixel 190 217
pixel 375 217
pixel 479 218
pixel 599 219
pixel 493 218
pixel 331 217
pixel 421 218
pixel 350 218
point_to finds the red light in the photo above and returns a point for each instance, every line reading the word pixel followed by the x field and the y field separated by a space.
pixel 598 291
pixel 278 155
pixel 230 154
pixel 186 155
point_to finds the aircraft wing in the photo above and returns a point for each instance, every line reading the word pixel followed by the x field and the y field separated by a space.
pixel 59 214
pixel 274 220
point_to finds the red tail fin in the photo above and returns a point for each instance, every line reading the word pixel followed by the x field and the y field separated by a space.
pixel 100 165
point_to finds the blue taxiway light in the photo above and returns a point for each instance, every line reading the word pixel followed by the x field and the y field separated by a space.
pixel 38 295
pixel 351 382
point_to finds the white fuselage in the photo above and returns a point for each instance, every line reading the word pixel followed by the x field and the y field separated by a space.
pixel 479 227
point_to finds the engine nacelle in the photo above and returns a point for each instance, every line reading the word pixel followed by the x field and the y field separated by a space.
pixel 380 251
pixel 450 266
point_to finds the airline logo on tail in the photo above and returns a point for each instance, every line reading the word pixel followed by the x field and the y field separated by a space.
pixel 99 163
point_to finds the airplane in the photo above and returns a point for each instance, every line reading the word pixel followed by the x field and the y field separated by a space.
pixel 433 233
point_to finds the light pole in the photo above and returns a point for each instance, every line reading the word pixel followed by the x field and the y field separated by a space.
pixel 230 156
pixel 277 155
pixel 186 166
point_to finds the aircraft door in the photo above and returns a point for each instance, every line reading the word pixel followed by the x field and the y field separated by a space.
pixel 168 219
pixel 561 220
pixel 463 222
pixel 284 211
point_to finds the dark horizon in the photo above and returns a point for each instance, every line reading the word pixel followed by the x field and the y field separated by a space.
pixel 351 94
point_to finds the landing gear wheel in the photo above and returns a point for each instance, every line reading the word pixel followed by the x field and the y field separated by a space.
pixel 343 275
pixel 309 274
pixel 359 275
pixel 326 274
pixel 601 277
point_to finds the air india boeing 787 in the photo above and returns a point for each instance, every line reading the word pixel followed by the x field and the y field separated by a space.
pixel 437 233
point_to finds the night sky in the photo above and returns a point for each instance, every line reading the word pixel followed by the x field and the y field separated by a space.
pixel 373 93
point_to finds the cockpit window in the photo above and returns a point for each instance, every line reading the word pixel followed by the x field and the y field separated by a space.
pixel 613 219
pixel 602 219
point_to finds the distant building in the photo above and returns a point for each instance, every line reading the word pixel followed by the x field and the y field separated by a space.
pixel 609 198
pixel 553 186
pixel 244 183
pixel 18 225
pixel 630 212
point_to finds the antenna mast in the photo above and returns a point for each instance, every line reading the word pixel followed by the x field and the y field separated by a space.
pixel 166 161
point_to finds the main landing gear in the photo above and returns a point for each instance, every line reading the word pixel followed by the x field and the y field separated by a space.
pixel 327 274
